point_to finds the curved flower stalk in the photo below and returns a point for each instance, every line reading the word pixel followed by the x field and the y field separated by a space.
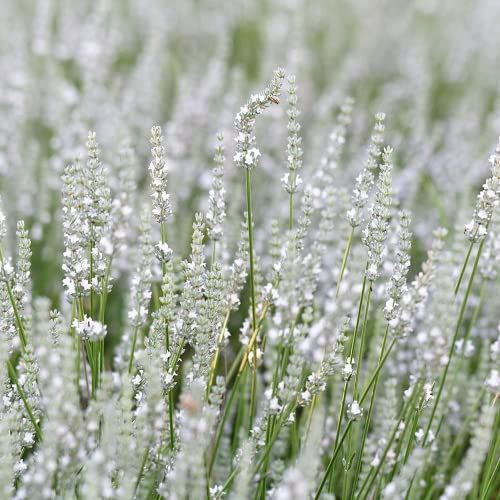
pixel 361 192
pixel 291 180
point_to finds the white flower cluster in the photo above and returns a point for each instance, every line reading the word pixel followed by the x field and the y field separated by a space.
pixel 397 287
pixel 247 154
pixel 415 298
pixel 364 181
pixel 375 233
pixel 86 217
pixel 487 200
pixel 216 212
pixel 291 180
pixel 354 411
pixel 89 329
pixel 158 170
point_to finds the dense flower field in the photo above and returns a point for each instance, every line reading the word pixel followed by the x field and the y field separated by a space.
pixel 249 249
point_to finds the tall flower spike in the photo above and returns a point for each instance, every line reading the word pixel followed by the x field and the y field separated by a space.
pixel 291 180
pixel 375 233
pixel 397 285
pixel 158 169
pixel 75 230
pixel 487 200
pixel 217 205
pixel 364 181
pixel 247 155
pixel 96 211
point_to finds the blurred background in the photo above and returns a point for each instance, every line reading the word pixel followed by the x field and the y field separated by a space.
pixel 120 66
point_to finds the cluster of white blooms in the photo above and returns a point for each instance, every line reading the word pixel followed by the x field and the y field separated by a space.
pixel 354 411
pixel 291 180
pixel 348 370
pixel 194 285
pixel 209 324
pixel 89 329
pixel 247 154
pixel 97 209
pixel 22 288
pixel 76 228
pixel 415 298
pixel 364 181
pixel 86 215
pixel 163 252
pixel 375 233
pixel 216 212
pixel 487 200
pixel 397 287
pixel 158 171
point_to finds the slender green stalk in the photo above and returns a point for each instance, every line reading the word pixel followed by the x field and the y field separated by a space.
pixel 141 470
pixel 464 426
pixel 362 340
pixel 213 367
pixel 490 471
pixel 13 376
pixel 459 364
pixel 132 349
pixel 337 448
pixel 346 383
pixel 370 479
pixel 344 260
pixel 272 418
pixel 368 418
pixel 464 267
pixel 248 184
pixel 453 342
pixel 493 476
pixel 220 429
pixel 290 212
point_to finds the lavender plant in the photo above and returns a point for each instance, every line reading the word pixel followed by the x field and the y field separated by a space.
pixel 301 311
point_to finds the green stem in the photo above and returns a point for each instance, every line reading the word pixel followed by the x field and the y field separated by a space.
pixel 464 267
pixel 368 417
pixel 250 246
pixel 346 383
pixel 13 376
pixel 453 342
pixel 336 450
pixel 132 349
pixel 344 261
pixel 252 286
pixel 489 483
pixel 370 479
pixel 490 471
pixel 290 212
pixel 220 429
